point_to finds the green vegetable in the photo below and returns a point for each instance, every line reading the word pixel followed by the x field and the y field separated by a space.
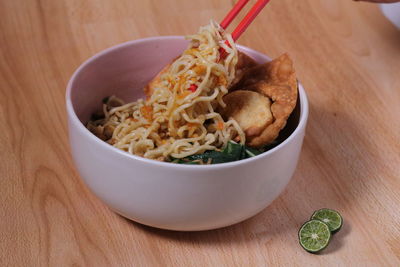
pixel 314 236
pixel 252 152
pixel 97 116
pixel 215 156
pixel 105 100
pixel 330 217
pixel 232 152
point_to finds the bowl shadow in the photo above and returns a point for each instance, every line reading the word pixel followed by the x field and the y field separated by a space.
pixel 262 226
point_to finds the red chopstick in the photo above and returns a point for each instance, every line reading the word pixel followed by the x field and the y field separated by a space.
pixel 233 13
pixel 249 18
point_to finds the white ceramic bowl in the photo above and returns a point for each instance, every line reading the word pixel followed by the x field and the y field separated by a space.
pixel 166 195
pixel 392 12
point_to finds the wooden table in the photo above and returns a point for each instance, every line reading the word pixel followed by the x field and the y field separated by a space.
pixel 347 57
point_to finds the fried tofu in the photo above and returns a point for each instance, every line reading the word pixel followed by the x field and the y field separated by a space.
pixel 251 110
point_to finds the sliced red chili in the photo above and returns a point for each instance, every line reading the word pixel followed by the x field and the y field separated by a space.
pixel 222 53
pixel 193 88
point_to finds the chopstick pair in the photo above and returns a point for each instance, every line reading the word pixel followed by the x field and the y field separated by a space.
pixel 247 20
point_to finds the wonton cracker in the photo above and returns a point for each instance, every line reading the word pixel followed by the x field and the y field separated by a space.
pixel 240 103
pixel 277 81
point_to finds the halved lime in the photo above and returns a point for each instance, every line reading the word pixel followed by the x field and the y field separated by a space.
pixel 331 217
pixel 314 236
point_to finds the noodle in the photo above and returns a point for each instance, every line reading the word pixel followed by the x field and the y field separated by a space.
pixel 179 119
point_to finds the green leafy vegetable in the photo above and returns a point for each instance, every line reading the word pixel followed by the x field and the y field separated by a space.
pixel 232 152
pixel 252 152
pixel 97 116
pixel 105 100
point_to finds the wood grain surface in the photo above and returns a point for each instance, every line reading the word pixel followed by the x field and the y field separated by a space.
pixel 347 56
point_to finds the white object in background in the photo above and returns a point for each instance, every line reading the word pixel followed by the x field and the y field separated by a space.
pixel 392 12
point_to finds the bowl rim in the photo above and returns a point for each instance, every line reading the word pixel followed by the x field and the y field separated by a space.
pixel 304 110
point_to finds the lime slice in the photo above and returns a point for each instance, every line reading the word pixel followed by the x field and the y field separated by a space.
pixel 330 217
pixel 314 236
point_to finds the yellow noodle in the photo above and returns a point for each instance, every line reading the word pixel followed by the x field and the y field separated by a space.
pixel 174 121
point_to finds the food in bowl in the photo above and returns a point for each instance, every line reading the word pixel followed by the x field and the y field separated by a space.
pixel 212 104
pixel 161 194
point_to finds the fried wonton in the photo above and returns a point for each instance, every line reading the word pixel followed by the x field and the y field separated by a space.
pixel 240 104
pixel 277 81
pixel 244 63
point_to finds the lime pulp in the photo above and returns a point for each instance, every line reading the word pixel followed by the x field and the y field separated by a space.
pixel 331 217
pixel 314 236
